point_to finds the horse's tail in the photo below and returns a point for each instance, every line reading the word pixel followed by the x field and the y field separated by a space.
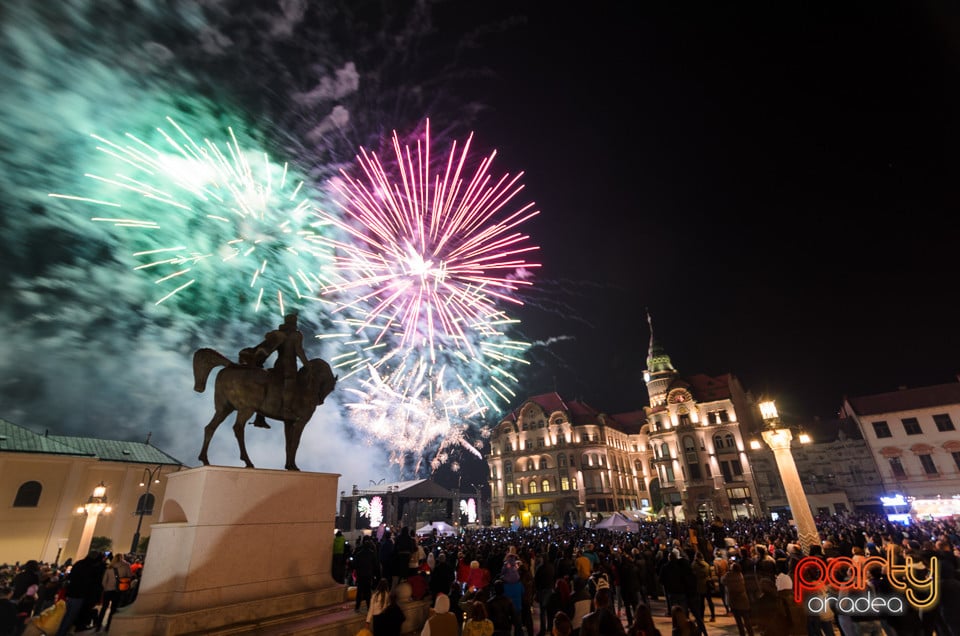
pixel 204 361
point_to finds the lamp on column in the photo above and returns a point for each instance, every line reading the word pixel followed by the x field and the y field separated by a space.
pixel 149 478
pixel 778 438
pixel 95 506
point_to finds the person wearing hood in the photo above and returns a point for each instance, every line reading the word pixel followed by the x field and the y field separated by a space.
pixel 442 621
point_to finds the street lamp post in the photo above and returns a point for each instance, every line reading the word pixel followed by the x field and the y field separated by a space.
pixel 778 438
pixel 150 477
pixel 95 506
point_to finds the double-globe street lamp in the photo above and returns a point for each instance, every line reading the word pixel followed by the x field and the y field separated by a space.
pixel 779 439
pixel 145 502
pixel 95 506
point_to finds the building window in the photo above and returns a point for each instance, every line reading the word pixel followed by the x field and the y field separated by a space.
pixel 736 466
pixel 911 426
pixel 145 504
pixel 717 442
pixel 573 483
pixel 897 467
pixel 533 487
pixel 731 443
pixel 529 465
pixel 508 467
pixel 562 460
pixel 539 442
pixel 527 445
pixel 28 495
pixel 668 473
pixel 509 488
pixel 943 422
pixel 519 488
pixel 545 486
pixel 706 467
pixel 664 450
pixel 573 463
pixel 725 470
pixel 684 419
pixel 881 429
pixel 928 466
pixel 719 417
pixel 564 483
pixel 544 463
pixel 956 458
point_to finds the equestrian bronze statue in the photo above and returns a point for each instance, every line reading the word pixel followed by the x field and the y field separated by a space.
pixel 277 393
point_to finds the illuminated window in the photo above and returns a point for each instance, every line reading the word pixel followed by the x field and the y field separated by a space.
pixel 529 464
pixel 533 487
pixel 573 483
pixel 565 481
pixel 545 486
pixel 509 488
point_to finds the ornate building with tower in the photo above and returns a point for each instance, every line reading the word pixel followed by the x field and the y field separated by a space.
pixel 683 456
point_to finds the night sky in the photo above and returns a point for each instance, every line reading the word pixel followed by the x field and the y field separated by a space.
pixel 775 185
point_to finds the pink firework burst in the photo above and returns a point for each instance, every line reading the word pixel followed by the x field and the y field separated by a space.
pixel 428 255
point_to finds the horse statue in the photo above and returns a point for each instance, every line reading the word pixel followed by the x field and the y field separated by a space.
pixel 250 389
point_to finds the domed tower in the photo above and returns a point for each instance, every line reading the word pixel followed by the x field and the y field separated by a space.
pixel 659 372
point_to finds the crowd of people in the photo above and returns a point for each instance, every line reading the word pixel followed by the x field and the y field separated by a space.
pixel 583 581
pixel 39 598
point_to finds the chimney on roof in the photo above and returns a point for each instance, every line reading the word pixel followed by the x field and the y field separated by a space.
pixel 149 435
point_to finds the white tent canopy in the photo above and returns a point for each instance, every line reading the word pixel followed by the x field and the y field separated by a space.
pixel 442 528
pixel 618 522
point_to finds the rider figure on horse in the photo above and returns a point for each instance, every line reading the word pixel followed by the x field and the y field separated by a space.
pixel 287 341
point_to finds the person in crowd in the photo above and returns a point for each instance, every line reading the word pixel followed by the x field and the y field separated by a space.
pixel 379 600
pixel 562 625
pixel 389 622
pixel 502 611
pixel 582 603
pixel 441 576
pixel 117 569
pixel 643 624
pixel 83 588
pixel 703 573
pixel 478 623
pixel 737 598
pixel 544 580
pixel 720 566
pixel 28 576
pixel 400 564
pixel 441 621
pixel 629 584
pixel 677 580
pixel 680 622
pixel 365 570
pixel 385 553
pixel 602 621
pixel 11 623
pixel 339 557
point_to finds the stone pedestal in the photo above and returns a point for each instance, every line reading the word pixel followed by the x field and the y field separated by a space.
pixel 236 545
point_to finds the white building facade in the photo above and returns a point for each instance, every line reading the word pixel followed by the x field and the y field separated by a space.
pixel 913 437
